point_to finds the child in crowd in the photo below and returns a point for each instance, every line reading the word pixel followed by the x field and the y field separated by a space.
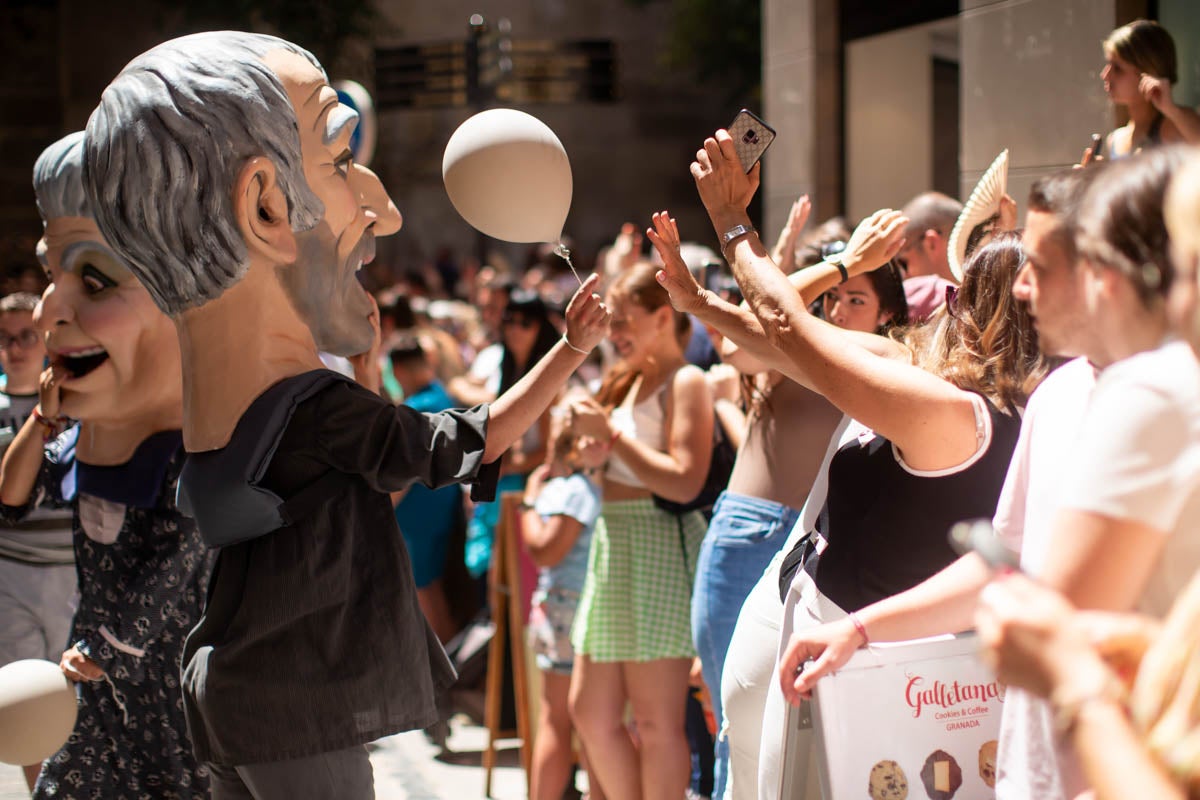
pixel 562 502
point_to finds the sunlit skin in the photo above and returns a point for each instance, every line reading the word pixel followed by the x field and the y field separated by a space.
pixel 1120 80
pixel 25 354
pixel 854 305
pixel 634 329
pixel 1052 286
pixel 326 292
pixel 94 310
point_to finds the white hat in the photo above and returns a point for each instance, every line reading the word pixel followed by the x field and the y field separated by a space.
pixel 983 203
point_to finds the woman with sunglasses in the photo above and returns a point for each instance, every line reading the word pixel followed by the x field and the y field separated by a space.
pixel 526 334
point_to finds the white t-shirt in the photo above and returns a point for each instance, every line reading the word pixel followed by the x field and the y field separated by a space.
pixel 1028 765
pixel 1139 459
pixel 1136 457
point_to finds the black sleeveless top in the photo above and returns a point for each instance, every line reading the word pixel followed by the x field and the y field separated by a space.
pixel 887 527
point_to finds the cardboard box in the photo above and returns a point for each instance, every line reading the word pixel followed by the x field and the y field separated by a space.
pixel 909 720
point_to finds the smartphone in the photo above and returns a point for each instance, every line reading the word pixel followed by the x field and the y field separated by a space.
pixel 978 536
pixel 751 137
pixel 1094 150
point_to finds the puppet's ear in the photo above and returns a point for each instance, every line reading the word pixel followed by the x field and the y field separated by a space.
pixel 261 211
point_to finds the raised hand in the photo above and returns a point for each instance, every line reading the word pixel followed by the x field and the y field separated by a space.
pixel 1157 92
pixel 587 317
pixel 626 249
pixel 725 187
pixel 1008 214
pixel 876 240
pixel 686 294
pixel 49 390
pixel 784 253
pixel 828 647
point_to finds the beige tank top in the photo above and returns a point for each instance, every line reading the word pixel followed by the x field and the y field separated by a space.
pixel 642 421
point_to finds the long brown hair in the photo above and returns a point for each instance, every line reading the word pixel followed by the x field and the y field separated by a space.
pixel 639 285
pixel 984 340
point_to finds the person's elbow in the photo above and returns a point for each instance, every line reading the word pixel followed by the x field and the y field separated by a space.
pixel 542 554
pixel 686 487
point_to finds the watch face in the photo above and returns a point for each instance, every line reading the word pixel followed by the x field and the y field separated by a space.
pixel 735 232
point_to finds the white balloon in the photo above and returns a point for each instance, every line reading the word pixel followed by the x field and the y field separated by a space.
pixel 37 711
pixel 508 175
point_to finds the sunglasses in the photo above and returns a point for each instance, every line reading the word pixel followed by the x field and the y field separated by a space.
pixel 27 338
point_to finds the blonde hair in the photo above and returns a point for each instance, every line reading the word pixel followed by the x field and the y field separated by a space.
pixel 986 343
pixel 1146 46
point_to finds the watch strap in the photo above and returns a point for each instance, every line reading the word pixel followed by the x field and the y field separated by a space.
pixel 733 233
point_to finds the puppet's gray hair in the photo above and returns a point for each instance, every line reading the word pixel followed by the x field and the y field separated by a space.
pixel 164 148
pixel 57 179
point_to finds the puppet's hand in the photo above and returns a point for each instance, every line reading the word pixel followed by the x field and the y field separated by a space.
pixel 587 317
pixel 78 667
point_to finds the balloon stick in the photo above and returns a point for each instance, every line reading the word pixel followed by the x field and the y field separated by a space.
pixel 562 252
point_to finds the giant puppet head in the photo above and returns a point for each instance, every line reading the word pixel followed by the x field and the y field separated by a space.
pixel 221 157
pixel 119 354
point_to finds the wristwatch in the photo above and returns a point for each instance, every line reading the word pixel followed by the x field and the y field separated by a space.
pixel 836 260
pixel 733 233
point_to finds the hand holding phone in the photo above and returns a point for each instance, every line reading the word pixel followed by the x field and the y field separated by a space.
pixel 1093 150
pixel 751 137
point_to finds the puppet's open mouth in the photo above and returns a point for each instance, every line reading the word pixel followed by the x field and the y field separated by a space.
pixel 83 363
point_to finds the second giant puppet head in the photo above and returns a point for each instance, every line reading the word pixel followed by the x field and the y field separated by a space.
pixel 219 167
pixel 116 353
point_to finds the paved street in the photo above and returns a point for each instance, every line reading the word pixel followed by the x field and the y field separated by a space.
pixel 406 768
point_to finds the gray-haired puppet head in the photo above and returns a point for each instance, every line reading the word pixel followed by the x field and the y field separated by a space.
pixel 163 151
pixel 58 179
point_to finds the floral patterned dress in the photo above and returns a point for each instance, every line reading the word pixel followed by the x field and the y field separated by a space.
pixel 143 571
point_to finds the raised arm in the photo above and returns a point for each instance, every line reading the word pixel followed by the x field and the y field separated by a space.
pixel 737 323
pixel 784 253
pixel 931 421
pixel 1185 120
pixel 517 409
pixel 23 459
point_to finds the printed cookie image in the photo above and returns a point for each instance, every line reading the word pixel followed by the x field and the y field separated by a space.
pixel 888 782
pixel 941 775
pixel 987 762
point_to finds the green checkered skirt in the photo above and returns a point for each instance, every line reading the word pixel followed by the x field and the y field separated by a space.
pixel 637 599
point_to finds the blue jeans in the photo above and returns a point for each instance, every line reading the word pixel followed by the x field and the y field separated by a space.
pixel 744 534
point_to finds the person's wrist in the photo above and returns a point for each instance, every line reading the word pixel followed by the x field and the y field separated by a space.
pixel 567 340
pixel 1076 691
pixel 727 217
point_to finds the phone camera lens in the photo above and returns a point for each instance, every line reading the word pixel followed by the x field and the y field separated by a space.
pixel 750 137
